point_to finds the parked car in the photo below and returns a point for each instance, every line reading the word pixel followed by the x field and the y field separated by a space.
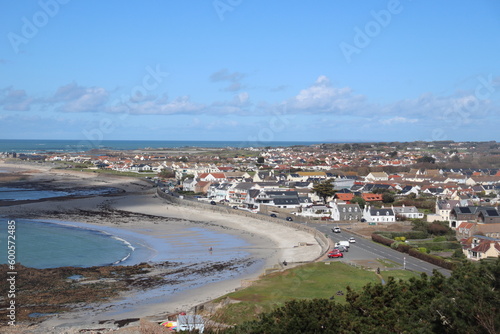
pixel 343 243
pixel 335 253
pixel 336 229
pixel 342 248
pixel 352 240
pixel 273 215
pixel 213 203
pixel 289 219
pixel 235 207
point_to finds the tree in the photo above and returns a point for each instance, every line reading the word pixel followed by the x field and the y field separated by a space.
pixel 359 200
pixel 466 302
pixel 387 197
pixel 166 174
pixel 426 159
pixel 324 189
pixel 260 160
pixel 393 154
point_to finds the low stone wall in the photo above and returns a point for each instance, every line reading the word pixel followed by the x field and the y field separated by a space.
pixel 320 237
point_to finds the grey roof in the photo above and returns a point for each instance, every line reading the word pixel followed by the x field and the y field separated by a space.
pixel 244 185
pixel 286 201
pixel 405 209
pixel 382 212
pixel 274 194
pixel 253 193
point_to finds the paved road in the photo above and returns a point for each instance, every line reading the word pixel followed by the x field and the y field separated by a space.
pixel 364 249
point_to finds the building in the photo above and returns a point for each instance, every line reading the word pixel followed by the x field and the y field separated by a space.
pixel 344 211
pixel 407 212
pixel 480 247
pixel 383 215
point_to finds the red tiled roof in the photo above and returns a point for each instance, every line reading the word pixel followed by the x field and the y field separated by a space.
pixel 344 197
pixel 369 197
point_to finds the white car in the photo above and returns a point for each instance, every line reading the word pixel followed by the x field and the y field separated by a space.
pixel 352 240
pixel 336 230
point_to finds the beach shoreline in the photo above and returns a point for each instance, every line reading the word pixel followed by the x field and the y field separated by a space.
pixel 269 243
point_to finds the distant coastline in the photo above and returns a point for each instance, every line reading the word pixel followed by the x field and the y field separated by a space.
pixel 54 145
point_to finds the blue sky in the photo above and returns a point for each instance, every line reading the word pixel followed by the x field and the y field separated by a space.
pixel 332 71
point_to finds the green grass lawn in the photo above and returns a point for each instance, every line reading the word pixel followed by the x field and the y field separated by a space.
pixel 115 172
pixel 315 280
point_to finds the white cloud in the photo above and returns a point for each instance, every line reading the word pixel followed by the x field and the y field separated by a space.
pixel 160 106
pixel 91 99
pixel 322 97
pixel 398 119
pixel 15 100
pixel 234 79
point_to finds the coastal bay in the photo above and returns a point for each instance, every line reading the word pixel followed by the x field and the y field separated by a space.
pixel 173 234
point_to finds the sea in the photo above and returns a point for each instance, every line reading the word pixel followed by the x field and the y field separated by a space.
pixel 53 243
pixel 50 244
pixel 43 146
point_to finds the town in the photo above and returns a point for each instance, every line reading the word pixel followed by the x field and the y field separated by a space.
pixel 457 183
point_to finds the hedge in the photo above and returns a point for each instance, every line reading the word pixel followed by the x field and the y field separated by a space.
pixel 405 248
pixel 381 239
pixel 407 235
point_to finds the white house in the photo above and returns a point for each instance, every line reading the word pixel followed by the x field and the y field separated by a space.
pixel 377 176
pixel 408 212
pixel 383 215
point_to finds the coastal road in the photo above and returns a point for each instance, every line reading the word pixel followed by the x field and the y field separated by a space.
pixel 364 249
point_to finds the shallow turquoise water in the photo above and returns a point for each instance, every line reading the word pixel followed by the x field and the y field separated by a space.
pixel 50 244
pixel 46 245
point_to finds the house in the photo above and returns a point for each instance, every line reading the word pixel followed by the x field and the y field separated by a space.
pixel 480 247
pixel 264 177
pixel 383 215
pixel 443 208
pixel 344 197
pixel 473 180
pixel 409 189
pixel 212 177
pixel 278 198
pixel 407 212
pixel 377 176
pixel 465 230
pixel 480 214
pixel 488 215
pixel 343 182
pixel 219 191
pixel 489 230
pixel 202 187
pixel 238 193
pixel 140 168
pixel 317 211
pixel 344 211
pixel 369 197
pixel 188 184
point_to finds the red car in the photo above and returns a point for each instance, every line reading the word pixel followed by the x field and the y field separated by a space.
pixel 335 253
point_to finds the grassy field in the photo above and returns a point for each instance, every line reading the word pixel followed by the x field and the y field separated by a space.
pixel 315 280
pixel 114 172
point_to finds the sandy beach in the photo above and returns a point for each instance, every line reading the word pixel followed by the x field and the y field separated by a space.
pixel 158 223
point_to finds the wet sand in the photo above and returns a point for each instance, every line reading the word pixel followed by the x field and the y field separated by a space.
pixel 161 224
